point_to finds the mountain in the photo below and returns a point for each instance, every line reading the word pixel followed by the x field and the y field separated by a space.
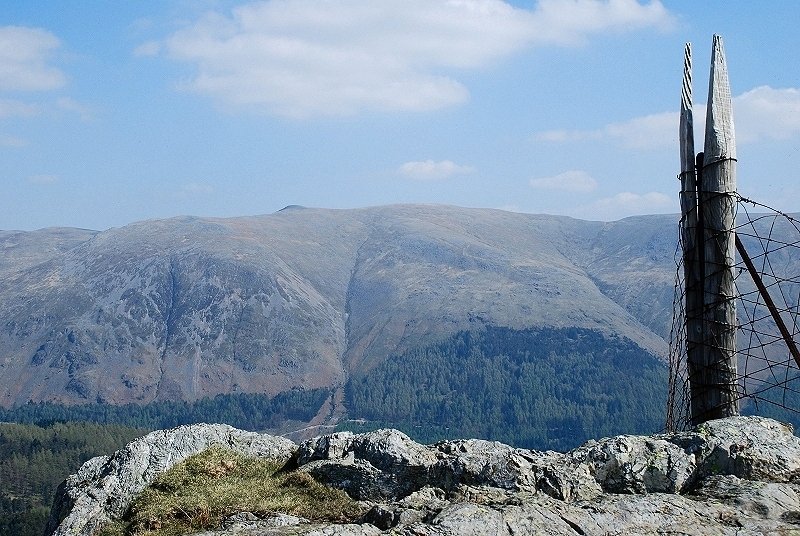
pixel 185 308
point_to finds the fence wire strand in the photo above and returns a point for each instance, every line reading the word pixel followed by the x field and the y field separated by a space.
pixel 767 374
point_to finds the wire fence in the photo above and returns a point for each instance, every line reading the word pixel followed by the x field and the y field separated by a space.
pixel 767 373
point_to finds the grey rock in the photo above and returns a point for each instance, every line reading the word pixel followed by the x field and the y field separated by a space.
pixel 242 518
pixel 490 463
pixel 427 498
pixel 358 478
pixel 611 514
pixel 344 530
pixel 410 516
pixel 283 520
pixel 492 497
pixel 104 487
pixel 470 520
pixel 754 448
pixel 735 476
pixel 248 524
pixel 262 529
pixel 387 465
pixel 765 500
pixel 384 449
pixel 623 484
pixel 635 464
pixel 419 507
pixel 652 513
pixel 379 465
pixel 384 516
pixel 563 477
pixel 547 516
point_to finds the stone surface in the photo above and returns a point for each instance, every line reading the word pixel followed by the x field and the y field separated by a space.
pixel 263 529
pixel 104 486
pixel 766 500
pixel 384 464
pixel 736 476
pixel 248 524
pixel 631 464
pixel 749 447
pixel 474 461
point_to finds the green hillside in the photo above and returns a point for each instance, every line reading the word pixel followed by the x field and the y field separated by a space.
pixel 248 411
pixel 535 388
pixel 46 443
pixel 34 460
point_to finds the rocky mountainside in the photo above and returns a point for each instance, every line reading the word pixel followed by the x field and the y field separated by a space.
pixel 735 476
pixel 185 308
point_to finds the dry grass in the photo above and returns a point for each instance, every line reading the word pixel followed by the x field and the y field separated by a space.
pixel 198 493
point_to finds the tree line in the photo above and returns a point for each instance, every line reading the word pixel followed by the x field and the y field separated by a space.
pixel 248 411
pixel 34 460
pixel 541 388
pixel 42 443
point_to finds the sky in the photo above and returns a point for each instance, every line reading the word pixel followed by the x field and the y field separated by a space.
pixel 114 112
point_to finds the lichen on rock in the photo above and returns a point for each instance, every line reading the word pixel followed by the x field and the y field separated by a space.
pixel 739 475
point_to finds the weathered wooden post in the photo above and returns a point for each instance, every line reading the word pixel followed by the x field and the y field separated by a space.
pixel 692 270
pixel 717 382
pixel 708 206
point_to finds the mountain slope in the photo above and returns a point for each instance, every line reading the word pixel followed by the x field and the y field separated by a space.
pixel 191 307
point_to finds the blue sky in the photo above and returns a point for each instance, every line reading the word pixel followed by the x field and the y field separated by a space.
pixel 113 112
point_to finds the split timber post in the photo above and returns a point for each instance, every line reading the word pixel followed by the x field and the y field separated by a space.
pixel 708 208
pixel 691 232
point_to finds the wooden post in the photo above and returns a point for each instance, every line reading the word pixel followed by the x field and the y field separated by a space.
pixel 714 386
pixel 692 271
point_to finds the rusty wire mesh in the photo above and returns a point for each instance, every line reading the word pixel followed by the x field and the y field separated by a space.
pixel 768 376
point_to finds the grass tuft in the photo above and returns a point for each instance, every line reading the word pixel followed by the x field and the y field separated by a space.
pixel 200 492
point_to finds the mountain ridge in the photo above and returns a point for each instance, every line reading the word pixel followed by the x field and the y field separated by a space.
pixel 188 307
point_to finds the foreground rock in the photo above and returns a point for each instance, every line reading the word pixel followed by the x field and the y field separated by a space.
pixel 104 486
pixel 739 475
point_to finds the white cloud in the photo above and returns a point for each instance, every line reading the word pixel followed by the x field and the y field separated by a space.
pixel 570 22
pixel 68 104
pixel 629 204
pixel 575 181
pixel 646 132
pixel 653 131
pixel 15 108
pixel 150 48
pixel 24 53
pixel 43 179
pixel 763 113
pixel 141 24
pixel 429 170
pixel 340 57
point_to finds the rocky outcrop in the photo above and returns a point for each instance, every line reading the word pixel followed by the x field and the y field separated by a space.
pixel 104 486
pixel 739 475
pixel 384 464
